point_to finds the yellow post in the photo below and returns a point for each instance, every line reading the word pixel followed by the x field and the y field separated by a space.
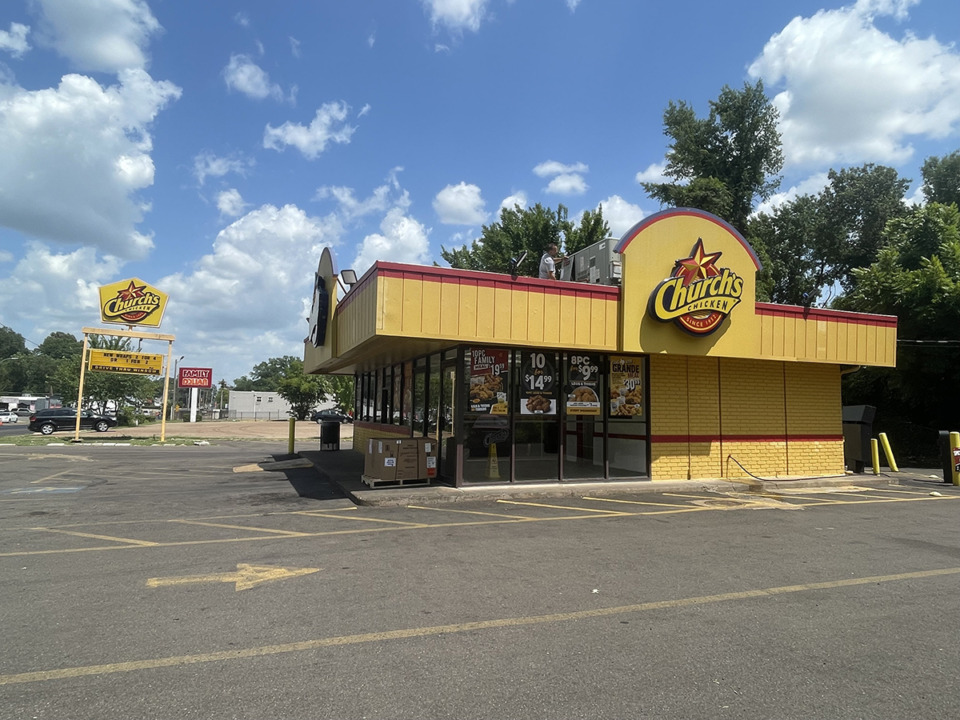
pixel 955 456
pixel 875 453
pixel 493 466
pixel 292 433
pixel 83 367
pixel 888 452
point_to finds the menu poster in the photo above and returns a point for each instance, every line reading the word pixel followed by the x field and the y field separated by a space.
pixel 488 381
pixel 583 396
pixel 538 382
pixel 626 387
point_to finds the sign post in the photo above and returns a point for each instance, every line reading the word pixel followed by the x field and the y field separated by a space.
pixel 195 378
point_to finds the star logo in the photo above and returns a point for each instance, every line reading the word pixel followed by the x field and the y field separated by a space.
pixel 699 266
pixel 131 291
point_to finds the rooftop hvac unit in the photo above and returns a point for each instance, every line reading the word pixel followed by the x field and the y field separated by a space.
pixel 597 264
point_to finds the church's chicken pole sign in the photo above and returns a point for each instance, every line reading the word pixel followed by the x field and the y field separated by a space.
pixel 699 295
pixel 132 302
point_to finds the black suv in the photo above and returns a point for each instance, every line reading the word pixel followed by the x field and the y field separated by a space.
pixel 49 421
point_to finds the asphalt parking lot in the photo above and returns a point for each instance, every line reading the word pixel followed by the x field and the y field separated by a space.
pixel 191 581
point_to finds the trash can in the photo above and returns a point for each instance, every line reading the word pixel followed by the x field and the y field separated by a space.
pixel 329 434
pixel 857 431
pixel 946 456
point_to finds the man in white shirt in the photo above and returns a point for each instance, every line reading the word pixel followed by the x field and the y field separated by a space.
pixel 548 266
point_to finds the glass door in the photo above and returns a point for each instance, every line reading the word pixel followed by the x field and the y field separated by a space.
pixel 446 409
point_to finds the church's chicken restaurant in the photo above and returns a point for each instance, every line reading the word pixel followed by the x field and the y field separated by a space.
pixel 677 373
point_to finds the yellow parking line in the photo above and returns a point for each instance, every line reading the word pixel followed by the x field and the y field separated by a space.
pixel 561 507
pixel 240 527
pixel 633 502
pixel 471 512
pixel 463 627
pixel 365 519
pixel 125 541
pixel 710 496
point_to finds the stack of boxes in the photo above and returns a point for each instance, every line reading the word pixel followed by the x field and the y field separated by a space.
pixel 400 461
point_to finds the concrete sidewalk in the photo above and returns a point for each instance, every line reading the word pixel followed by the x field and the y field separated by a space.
pixel 344 468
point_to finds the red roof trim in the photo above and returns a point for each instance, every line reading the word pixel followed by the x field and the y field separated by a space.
pixel 842 316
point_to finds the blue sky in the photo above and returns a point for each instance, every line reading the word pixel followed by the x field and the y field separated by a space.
pixel 214 148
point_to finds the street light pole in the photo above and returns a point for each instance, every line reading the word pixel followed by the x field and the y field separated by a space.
pixel 176 381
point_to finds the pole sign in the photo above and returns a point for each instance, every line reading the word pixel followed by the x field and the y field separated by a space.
pixel 125 362
pixel 132 302
pixel 195 377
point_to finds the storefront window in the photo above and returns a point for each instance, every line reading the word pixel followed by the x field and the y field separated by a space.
pixel 627 412
pixel 396 402
pixel 433 396
pixel 406 411
pixel 420 397
pixel 537 424
pixel 583 423
pixel 487 436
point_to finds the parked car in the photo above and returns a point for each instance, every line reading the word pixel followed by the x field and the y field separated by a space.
pixel 321 415
pixel 49 421
pixel 8 416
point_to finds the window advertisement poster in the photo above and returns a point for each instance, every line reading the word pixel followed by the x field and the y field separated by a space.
pixel 583 385
pixel 488 381
pixel 626 387
pixel 538 383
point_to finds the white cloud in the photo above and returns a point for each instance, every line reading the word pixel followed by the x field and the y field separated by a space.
pixel 456 15
pixel 653 174
pixel 572 4
pixel 460 204
pixel 810 186
pixel 401 239
pixel 98 35
pixel 294 47
pixel 518 198
pixel 230 203
pixel 552 167
pixel 327 126
pixel 352 209
pixel 875 91
pixel 245 76
pixel 206 164
pixel 620 214
pixel 227 312
pixel 242 19
pixel 25 295
pixel 14 41
pixel 567 184
pixel 51 191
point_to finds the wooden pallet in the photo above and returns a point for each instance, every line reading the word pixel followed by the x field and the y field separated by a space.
pixel 377 482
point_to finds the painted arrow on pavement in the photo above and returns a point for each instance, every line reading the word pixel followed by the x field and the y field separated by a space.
pixel 246 576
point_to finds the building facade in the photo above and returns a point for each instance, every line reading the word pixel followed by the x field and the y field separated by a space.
pixel 678 373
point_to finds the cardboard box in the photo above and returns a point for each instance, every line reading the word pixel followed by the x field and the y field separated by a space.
pixel 408 460
pixel 427 453
pixel 380 458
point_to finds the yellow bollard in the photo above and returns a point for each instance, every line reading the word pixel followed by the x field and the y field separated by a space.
pixel 955 456
pixel 875 455
pixel 291 435
pixel 493 466
pixel 888 452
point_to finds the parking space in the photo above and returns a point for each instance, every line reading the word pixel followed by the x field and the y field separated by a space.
pixel 77 500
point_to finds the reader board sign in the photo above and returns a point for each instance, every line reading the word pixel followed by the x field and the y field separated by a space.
pixel 125 362
pixel 195 377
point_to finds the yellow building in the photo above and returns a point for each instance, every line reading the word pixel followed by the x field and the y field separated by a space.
pixel 679 373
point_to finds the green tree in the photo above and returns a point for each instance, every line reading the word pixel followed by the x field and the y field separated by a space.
pixel 858 203
pixel 340 388
pixel 11 342
pixel 941 179
pixel 266 376
pixel 59 345
pixel 917 278
pixel 530 231
pixel 735 153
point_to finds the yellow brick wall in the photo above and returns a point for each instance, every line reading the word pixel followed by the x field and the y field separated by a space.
pixel 775 419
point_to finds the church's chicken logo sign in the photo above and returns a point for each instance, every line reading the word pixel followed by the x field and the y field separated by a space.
pixel 699 295
pixel 131 302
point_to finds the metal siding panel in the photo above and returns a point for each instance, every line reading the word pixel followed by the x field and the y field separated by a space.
pixel 412 322
pixel 535 317
pixel 861 342
pixel 831 348
pixel 766 336
pixel 778 336
pixel 520 316
pixel 582 309
pixel 430 308
pixel 789 337
pixel 449 310
pixel 468 309
pixel 502 312
pixel 821 330
pixel 872 341
pixel 551 318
